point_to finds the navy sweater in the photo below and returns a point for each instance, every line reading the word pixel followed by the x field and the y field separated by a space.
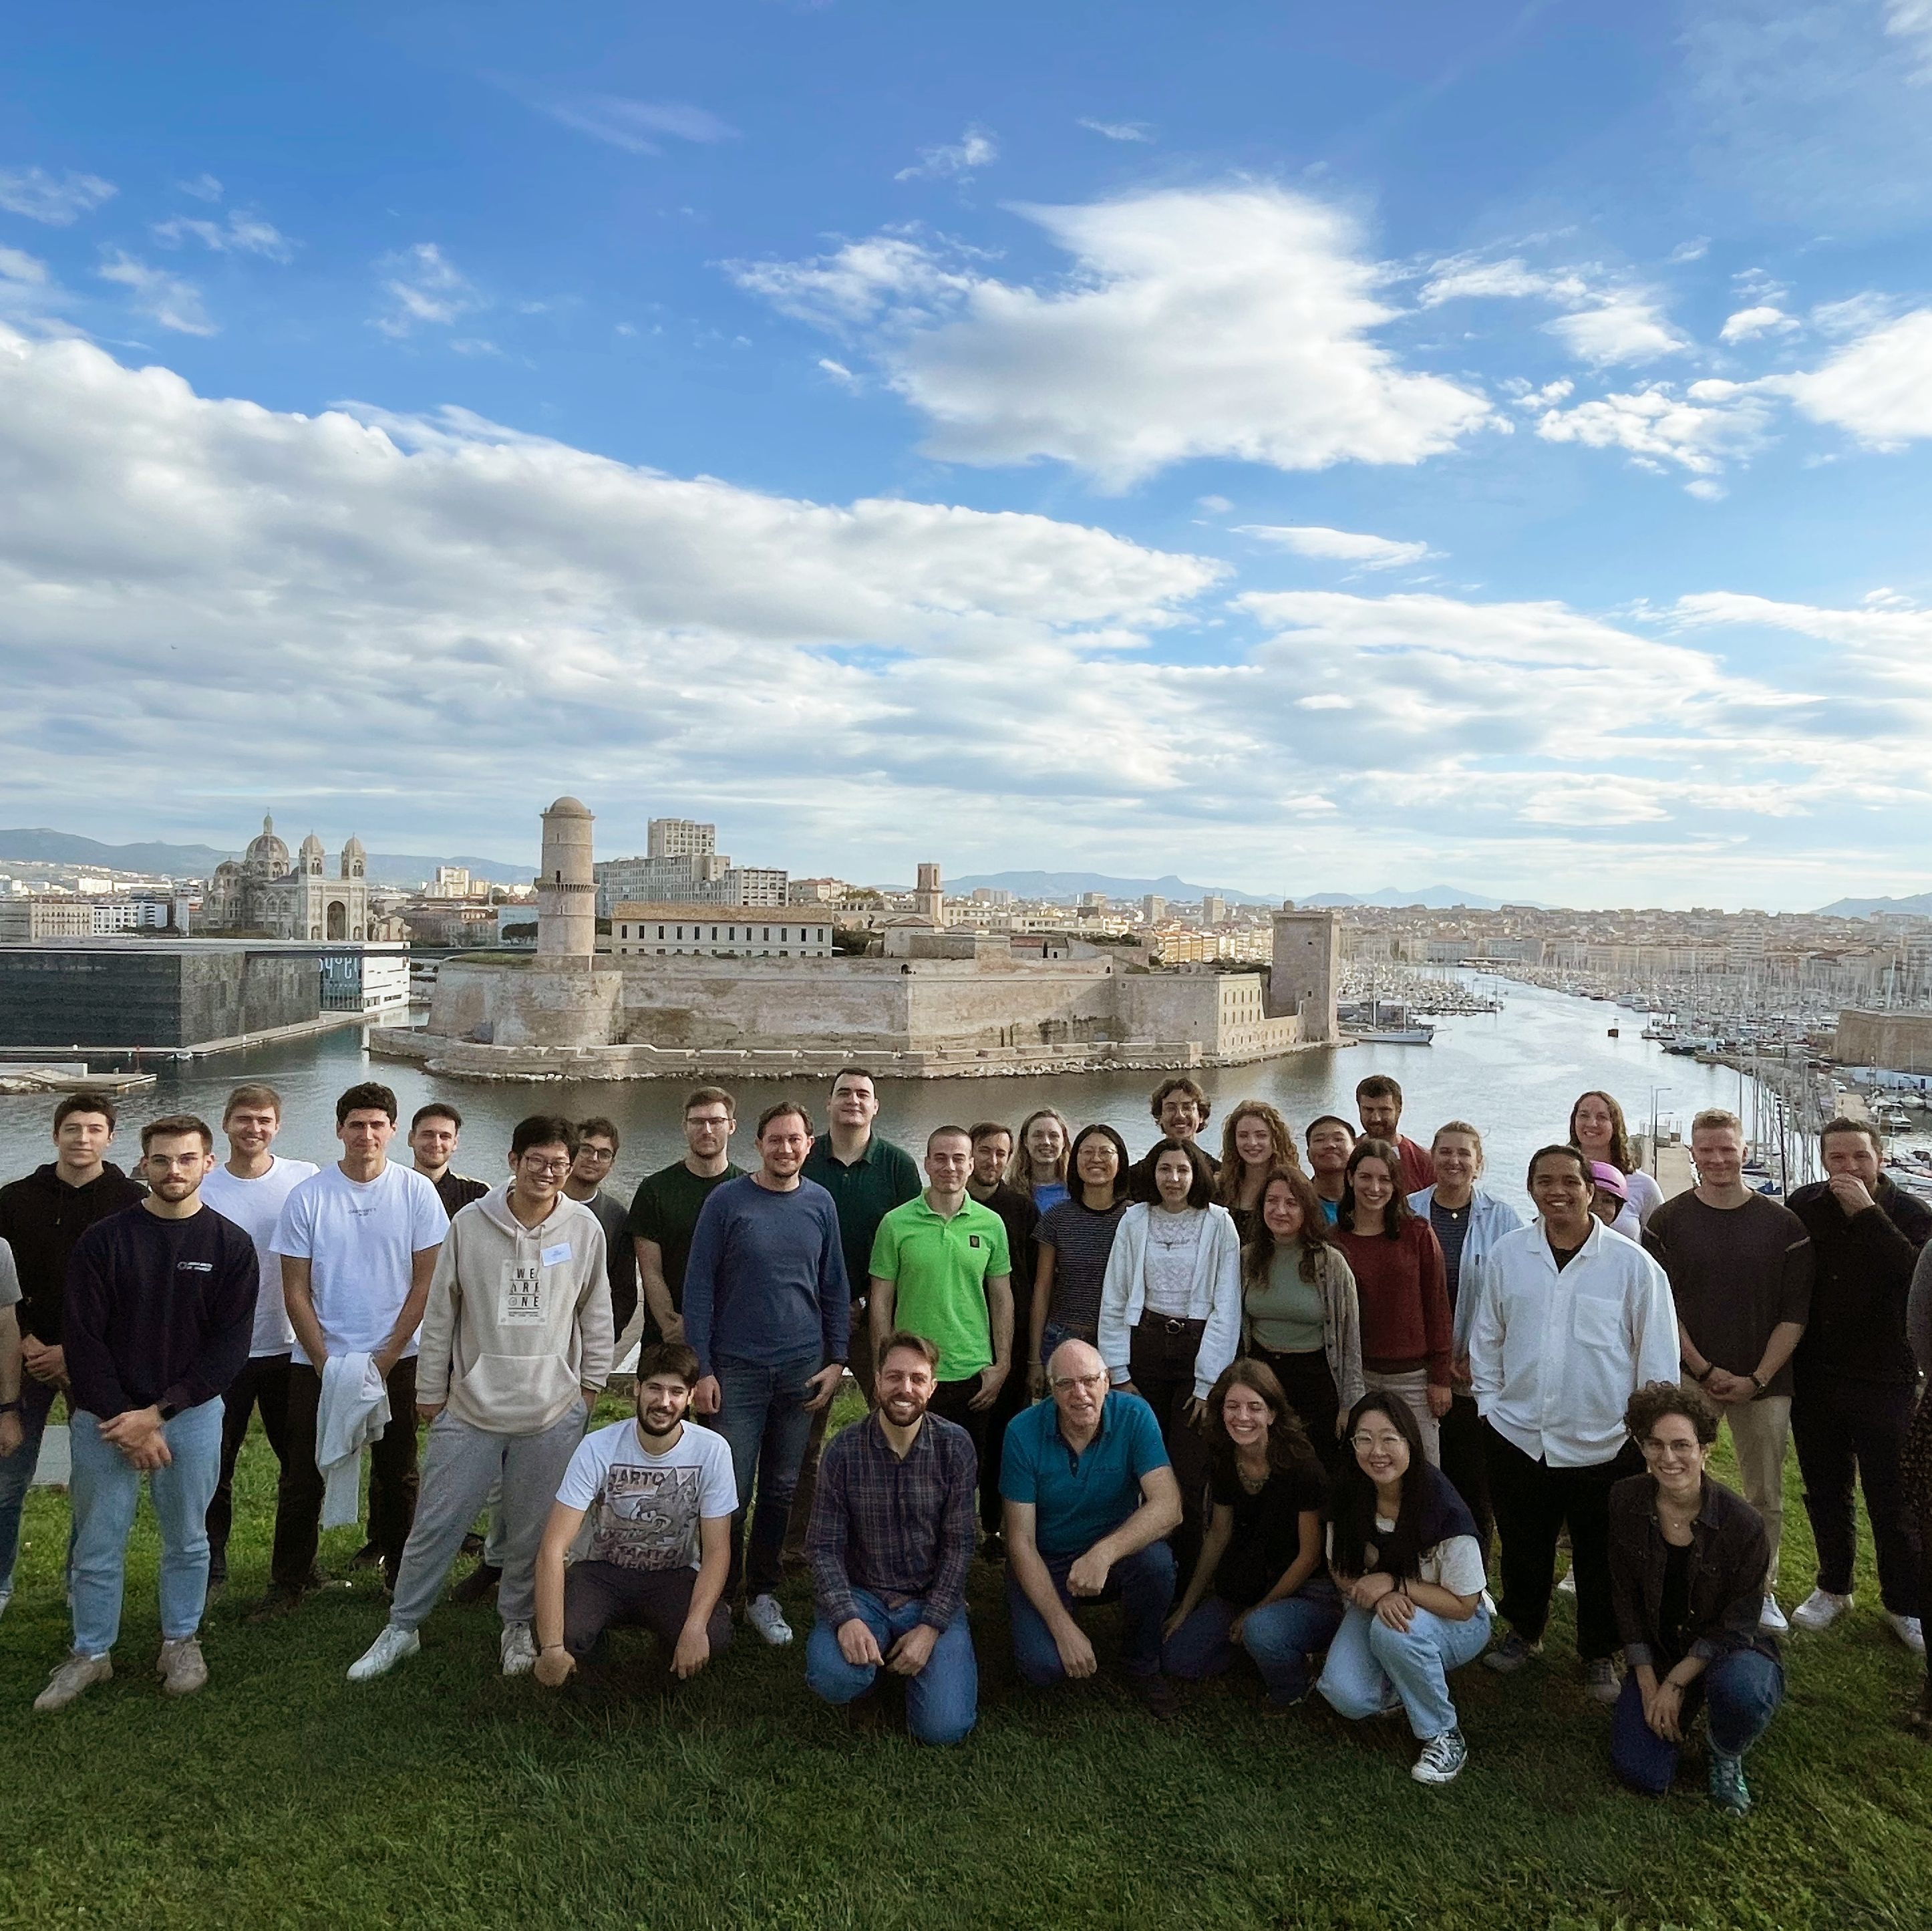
pixel 158 1312
pixel 766 1280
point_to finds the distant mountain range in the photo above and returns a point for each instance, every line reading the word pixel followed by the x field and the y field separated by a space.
pixel 40 845
pixel 1069 885
pixel 1919 905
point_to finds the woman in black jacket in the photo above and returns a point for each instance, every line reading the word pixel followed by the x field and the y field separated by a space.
pixel 1687 1576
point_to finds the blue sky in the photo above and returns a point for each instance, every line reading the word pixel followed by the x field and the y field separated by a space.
pixel 1302 448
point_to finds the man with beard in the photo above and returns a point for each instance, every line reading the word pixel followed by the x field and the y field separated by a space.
pixel 891 1539
pixel 1180 1107
pixel 660 1540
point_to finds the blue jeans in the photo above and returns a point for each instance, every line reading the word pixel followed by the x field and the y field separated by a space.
pixel 16 1471
pixel 1367 1658
pixel 1741 1693
pixel 105 1492
pixel 942 1701
pixel 1279 1636
pixel 762 1417
pixel 1143 1585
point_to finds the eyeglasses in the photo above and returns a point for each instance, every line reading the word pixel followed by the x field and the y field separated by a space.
pixel 546 1166
pixel 1651 1445
pixel 596 1153
pixel 1065 1384
pixel 1366 1444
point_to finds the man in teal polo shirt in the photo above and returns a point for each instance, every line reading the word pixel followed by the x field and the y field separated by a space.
pixel 867 1177
pixel 939 1268
pixel 1089 1494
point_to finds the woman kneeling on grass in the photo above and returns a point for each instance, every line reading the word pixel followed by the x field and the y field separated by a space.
pixel 1259 1584
pixel 1403 1552
pixel 1686 1576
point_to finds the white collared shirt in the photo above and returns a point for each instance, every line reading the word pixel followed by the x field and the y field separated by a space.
pixel 1554 1356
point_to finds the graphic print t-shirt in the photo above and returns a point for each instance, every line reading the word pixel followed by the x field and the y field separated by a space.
pixel 645 1508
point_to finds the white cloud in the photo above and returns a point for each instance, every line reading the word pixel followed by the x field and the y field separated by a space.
pixel 839 372
pixel 1700 430
pixel 423 286
pixel 1631 328
pixel 1470 278
pixel 241 234
pixel 1747 323
pixel 1694 250
pixel 171 300
pixel 17 265
pixel 637 127
pixel 975 149
pixel 203 187
pixel 34 193
pixel 1229 323
pixel 1911 21
pixel 1342 546
pixel 1119 130
pixel 1879 387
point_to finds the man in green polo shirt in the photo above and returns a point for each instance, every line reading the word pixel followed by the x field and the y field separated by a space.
pixel 939 1268
pixel 867 1177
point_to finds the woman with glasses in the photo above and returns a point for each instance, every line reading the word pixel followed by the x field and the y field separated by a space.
pixel 1687 1581
pixel 1040 1160
pixel 1260 1585
pixel 1298 1303
pixel 1403 1554
pixel 1074 1241
pixel 1407 1330
pixel 1255 1143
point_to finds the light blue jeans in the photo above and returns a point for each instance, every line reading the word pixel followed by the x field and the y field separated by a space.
pixel 1366 1659
pixel 105 1493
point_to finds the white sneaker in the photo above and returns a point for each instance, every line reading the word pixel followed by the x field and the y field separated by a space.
pixel 384 1654
pixel 78 1674
pixel 6 1596
pixel 1819 1611
pixel 516 1649
pixel 1771 1617
pixel 765 1616
pixel 1910 1631
pixel 1568 1587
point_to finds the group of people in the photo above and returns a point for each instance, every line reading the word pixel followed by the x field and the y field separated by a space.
pixel 1287 1403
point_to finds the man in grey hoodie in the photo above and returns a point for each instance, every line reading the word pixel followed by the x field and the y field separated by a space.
pixel 516 1342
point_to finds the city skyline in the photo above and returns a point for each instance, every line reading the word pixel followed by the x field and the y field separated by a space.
pixel 1301 453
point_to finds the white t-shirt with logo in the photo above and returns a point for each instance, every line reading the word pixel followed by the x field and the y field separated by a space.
pixel 256 1207
pixel 646 1508
pixel 360 1238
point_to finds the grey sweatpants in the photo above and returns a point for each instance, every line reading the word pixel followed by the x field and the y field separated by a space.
pixel 460 1466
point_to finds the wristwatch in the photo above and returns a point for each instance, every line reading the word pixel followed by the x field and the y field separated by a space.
pixel 1760 1386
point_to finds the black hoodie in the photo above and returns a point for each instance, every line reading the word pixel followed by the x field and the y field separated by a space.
pixel 41 1218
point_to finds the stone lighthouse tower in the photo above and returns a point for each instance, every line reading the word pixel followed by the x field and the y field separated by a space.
pixel 566 893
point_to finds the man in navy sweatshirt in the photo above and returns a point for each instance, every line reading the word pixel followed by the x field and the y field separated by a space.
pixel 768 1311
pixel 160 1310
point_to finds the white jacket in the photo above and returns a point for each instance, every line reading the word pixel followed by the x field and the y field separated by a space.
pixel 354 1410
pixel 519 1318
pixel 1554 1356
pixel 1213 1295
pixel 1489 1219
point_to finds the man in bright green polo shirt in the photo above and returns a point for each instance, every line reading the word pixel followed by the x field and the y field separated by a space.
pixel 940 1268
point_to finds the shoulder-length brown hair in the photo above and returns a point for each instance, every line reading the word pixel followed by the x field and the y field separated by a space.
pixel 1288 1443
pixel 1258 1250
pixel 1622 1157
pixel 1398 1213
pixel 1282 1148
pixel 1019 1165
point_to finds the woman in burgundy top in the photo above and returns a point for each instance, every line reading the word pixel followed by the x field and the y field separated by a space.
pixel 1407 1325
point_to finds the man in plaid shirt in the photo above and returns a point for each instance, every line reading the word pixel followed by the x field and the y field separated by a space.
pixel 891 1537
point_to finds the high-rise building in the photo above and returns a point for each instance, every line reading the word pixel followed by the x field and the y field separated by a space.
pixel 1153 908
pixel 1213 910
pixel 681 838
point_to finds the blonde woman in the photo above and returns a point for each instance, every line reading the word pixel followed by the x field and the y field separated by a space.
pixel 1039 1168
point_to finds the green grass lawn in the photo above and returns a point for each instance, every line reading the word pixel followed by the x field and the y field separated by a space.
pixel 282 1795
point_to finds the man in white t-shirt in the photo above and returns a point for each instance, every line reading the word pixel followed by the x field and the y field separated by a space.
pixel 663 1494
pixel 251 1190
pixel 358 1242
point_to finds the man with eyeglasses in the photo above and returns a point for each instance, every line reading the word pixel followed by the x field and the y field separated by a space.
pixel 1571 1320
pixel 665 1208
pixel 1090 1496
pixel 516 1343
pixel 597 1144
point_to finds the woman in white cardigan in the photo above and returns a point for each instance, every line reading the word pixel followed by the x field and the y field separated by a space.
pixel 1171 1313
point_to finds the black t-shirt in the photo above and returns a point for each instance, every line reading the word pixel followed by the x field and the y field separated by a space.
pixel 1674 1612
pixel 1267 1529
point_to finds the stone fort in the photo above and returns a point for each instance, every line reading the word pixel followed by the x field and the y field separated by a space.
pixel 939 1004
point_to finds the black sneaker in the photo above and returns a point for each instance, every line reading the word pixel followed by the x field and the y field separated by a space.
pixel 280 1601
pixel 994 1546
pixel 368 1556
pixel 478 1586
pixel 1156 1696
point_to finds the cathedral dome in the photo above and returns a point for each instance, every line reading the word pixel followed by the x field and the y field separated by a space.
pixel 267 853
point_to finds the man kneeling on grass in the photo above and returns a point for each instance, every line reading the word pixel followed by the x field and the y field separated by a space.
pixel 516 1342
pixel 664 1494
pixel 890 1541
